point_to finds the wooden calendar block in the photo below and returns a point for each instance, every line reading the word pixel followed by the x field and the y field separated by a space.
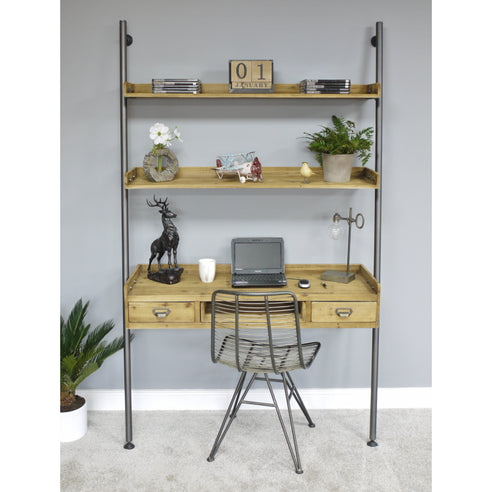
pixel 251 76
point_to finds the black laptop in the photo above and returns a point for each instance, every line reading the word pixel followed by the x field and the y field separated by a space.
pixel 258 262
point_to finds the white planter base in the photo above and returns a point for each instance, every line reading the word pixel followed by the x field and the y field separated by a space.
pixel 73 425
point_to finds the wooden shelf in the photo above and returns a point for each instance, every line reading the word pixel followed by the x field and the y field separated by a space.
pixel 273 177
pixel 282 91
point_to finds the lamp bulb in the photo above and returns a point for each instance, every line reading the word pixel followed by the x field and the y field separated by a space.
pixel 336 232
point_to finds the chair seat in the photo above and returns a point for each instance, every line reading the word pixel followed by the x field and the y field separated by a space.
pixel 256 357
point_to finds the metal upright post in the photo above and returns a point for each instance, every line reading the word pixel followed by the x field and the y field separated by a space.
pixel 377 41
pixel 349 239
pixel 125 40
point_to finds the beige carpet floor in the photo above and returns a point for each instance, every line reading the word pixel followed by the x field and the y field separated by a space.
pixel 171 450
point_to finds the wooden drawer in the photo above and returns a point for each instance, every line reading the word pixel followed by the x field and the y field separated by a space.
pixel 161 312
pixel 340 311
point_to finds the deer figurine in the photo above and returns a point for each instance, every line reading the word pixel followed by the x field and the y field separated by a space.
pixel 168 242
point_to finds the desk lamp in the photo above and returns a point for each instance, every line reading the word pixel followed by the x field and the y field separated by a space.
pixel 336 232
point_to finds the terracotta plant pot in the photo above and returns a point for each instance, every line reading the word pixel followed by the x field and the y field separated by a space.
pixel 337 168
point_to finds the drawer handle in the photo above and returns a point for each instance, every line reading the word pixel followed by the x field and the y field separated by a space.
pixel 161 312
pixel 343 312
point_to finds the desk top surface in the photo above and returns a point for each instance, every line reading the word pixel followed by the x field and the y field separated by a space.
pixel 363 288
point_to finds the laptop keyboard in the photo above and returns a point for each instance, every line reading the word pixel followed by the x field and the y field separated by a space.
pixel 264 279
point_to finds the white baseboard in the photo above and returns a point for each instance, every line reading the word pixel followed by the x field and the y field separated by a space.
pixel 216 399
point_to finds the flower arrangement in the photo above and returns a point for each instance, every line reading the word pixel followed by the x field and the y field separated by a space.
pixel 162 138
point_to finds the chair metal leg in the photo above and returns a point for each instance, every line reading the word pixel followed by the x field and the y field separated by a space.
pixel 295 456
pixel 223 428
pixel 239 402
pixel 287 399
pixel 295 393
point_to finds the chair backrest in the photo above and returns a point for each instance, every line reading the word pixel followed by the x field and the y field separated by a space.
pixel 256 331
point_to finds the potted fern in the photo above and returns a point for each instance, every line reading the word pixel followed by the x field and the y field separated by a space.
pixel 82 352
pixel 335 148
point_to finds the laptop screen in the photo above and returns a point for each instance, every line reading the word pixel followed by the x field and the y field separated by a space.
pixel 257 255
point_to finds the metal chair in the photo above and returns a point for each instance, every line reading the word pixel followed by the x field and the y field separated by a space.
pixel 259 333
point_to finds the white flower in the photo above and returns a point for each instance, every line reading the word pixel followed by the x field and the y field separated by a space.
pixel 166 138
pixel 177 134
pixel 162 136
pixel 159 133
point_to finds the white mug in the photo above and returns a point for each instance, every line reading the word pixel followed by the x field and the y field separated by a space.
pixel 206 268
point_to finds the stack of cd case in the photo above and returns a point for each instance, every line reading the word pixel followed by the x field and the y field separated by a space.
pixel 324 86
pixel 181 86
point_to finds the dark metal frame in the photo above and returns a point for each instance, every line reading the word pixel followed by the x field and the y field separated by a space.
pixel 377 41
pixel 125 41
pixel 237 400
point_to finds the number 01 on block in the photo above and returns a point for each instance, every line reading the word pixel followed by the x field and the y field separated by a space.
pixel 251 76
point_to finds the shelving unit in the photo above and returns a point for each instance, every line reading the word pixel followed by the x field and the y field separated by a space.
pixel 194 313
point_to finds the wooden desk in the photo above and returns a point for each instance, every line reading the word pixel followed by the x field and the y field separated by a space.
pixel 187 305
pixel 150 304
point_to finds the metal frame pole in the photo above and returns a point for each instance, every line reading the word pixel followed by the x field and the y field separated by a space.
pixel 124 42
pixel 378 42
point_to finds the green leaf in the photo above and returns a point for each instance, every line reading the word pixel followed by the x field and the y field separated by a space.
pixel 341 139
pixel 82 349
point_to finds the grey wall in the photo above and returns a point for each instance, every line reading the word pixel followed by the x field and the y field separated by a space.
pixel 193 38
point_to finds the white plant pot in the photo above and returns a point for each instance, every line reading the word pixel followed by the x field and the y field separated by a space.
pixel 337 168
pixel 73 425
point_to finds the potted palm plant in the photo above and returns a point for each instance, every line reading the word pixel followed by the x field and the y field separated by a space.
pixel 335 148
pixel 82 352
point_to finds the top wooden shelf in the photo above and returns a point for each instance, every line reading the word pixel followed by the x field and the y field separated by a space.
pixel 282 91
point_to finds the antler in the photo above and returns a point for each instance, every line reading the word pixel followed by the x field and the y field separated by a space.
pixel 158 203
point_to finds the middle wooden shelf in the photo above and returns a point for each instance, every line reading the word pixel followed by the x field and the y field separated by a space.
pixel 273 177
